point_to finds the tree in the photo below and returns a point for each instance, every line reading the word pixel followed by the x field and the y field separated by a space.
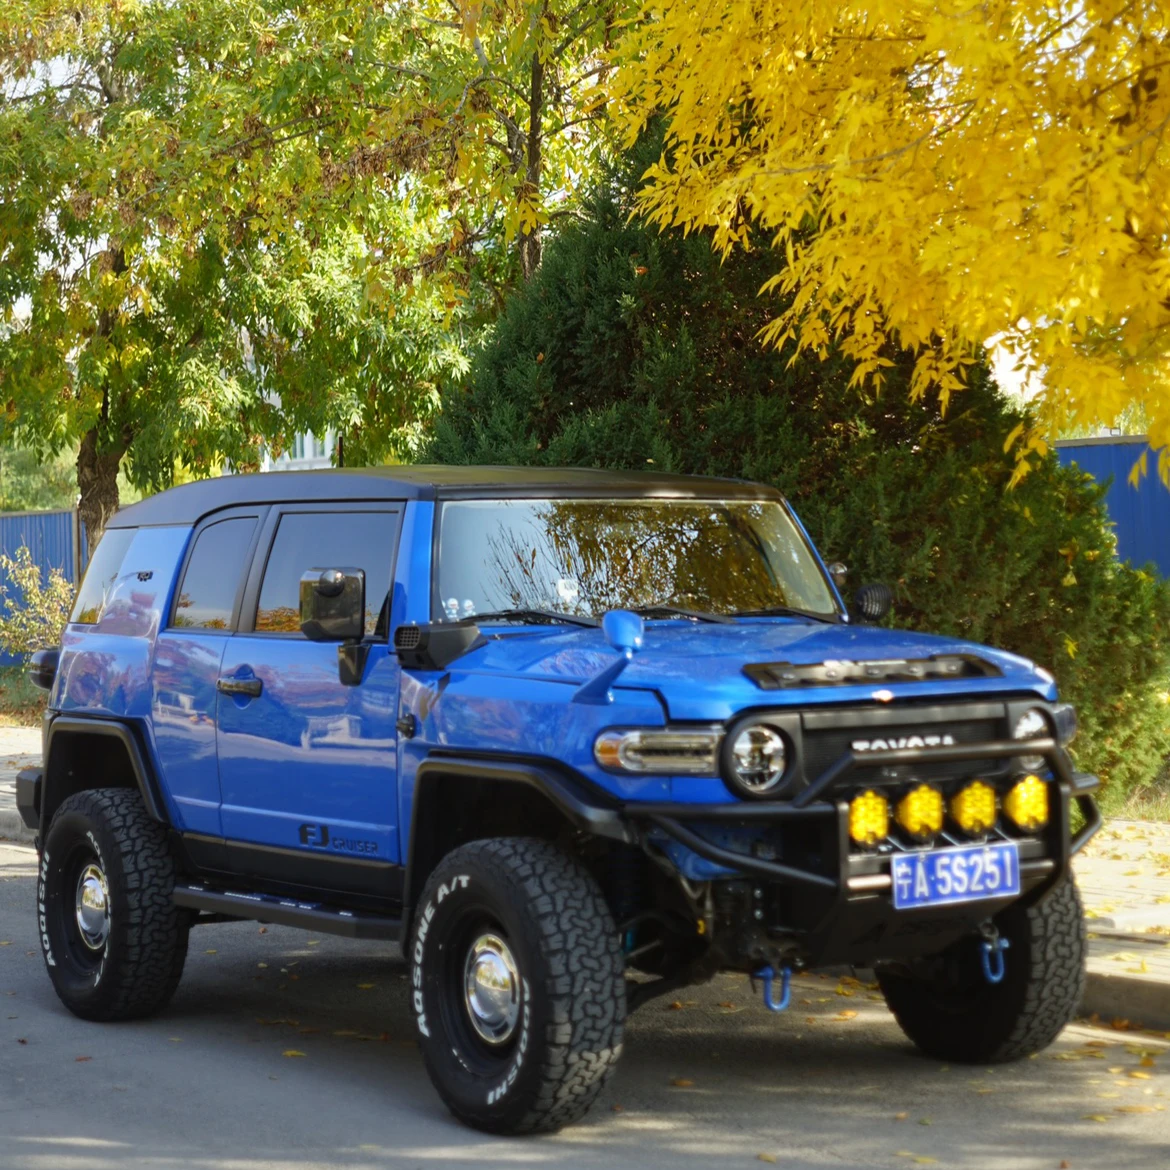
pixel 933 173
pixel 224 221
pixel 636 349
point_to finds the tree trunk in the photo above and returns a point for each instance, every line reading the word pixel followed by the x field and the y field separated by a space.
pixel 97 482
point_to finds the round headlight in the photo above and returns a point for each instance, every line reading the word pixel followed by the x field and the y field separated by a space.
pixel 1031 725
pixel 757 759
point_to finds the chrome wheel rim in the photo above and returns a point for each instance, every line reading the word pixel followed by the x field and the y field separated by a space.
pixel 491 989
pixel 93 907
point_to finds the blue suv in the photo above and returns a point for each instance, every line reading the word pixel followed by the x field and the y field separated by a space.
pixel 567 740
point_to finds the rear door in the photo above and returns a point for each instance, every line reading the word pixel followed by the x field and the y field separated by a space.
pixel 307 765
pixel 187 658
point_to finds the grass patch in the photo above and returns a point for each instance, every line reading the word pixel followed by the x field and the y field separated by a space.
pixel 21 704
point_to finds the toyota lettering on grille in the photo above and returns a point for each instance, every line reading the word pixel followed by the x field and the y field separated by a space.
pixel 898 743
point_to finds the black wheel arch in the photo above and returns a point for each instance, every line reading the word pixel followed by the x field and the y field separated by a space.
pixel 81 753
pixel 464 797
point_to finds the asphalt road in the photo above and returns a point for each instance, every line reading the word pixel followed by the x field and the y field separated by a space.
pixel 714 1082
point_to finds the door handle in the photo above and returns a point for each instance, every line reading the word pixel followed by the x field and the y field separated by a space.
pixel 239 686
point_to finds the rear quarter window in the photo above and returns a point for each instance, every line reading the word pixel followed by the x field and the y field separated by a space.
pixel 104 568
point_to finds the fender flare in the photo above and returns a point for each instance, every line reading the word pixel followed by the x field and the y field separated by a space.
pixel 72 725
pixel 582 805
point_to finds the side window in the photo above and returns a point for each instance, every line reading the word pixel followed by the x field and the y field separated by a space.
pixel 326 540
pixel 102 572
pixel 214 571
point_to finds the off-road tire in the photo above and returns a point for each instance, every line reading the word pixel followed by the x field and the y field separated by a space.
pixel 950 1011
pixel 137 971
pixel 572 1000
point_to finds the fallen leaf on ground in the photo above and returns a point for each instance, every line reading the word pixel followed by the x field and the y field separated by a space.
pixel 211 951
pixel 1095 1117
pixel 848 1015
pixel 1064 1164
pixel 82 1059
pixel 901 1116
pixel 618 1108
pixel 1137 1074
pixel 766 1158
pixel 292 1052
pixel 1147 1061
pixel 682 1083
pixel 366 986
pixel 676 1006
pixel 1133 1109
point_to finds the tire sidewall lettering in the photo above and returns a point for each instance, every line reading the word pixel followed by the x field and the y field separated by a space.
pixel 418 956
pixel 42 912
pixel 500 1091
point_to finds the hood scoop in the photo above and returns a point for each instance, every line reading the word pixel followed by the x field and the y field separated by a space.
pixel 781 676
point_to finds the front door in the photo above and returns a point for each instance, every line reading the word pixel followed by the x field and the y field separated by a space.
pixel 307 765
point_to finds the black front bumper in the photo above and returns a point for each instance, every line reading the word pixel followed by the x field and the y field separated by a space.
pixel 28 797
pixel 835 901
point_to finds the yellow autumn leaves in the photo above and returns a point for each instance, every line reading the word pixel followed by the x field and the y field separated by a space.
pixel 934 174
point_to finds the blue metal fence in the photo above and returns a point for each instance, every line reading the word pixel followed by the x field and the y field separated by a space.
pixel 55 540
pixel 1141 514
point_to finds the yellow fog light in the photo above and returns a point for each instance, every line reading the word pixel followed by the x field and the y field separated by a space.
pixel 920 811
pixel 1027 804
pixel 974 808
pixel 869 818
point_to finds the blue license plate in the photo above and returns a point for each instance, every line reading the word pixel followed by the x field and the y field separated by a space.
pixel 937 877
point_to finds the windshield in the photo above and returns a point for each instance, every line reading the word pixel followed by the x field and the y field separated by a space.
pixel 582 557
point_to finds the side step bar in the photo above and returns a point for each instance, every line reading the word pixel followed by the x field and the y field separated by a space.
pixel 287 912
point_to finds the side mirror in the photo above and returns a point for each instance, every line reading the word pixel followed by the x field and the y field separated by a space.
pixel 873 602
pixel 838 572
pixel 333 605
pixel 42 668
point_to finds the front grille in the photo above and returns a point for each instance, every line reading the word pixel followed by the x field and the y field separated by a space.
pixel 827 738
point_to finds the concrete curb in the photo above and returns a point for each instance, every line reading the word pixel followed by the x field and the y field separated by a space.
pixel 12 828
pixel 1117 996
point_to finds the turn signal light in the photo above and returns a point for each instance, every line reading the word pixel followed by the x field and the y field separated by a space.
pixel 869 818
pixel 920 811
pixel 1027 804
pixel 974 808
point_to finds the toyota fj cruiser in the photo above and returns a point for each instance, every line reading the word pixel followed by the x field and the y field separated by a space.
pixel 570 740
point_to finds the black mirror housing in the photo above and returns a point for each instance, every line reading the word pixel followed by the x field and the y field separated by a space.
pixel 42 668
pixel 873 602
pixel 333 605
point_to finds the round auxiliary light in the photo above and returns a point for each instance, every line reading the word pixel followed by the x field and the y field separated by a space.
pixel 973 809
pixel 757 758
pixel 920 812
pixel 869 818
pixel 1027 804
pixel 1031 725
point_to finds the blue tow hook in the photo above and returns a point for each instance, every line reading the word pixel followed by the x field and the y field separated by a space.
pixel 991 953
pixel 769 976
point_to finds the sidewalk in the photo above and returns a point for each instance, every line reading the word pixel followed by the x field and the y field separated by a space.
pixel 20 747
pixel 1124 877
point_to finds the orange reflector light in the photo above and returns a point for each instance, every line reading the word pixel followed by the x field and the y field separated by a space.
pixel 869 818
pixel 1027 804
pixel 974 808
pixel 920 811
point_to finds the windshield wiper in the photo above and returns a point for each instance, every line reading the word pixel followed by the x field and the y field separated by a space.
pixel 534 615
pixel 679 611
pixel 787 611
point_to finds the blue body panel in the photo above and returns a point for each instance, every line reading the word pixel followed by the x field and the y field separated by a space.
pixel 309 751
